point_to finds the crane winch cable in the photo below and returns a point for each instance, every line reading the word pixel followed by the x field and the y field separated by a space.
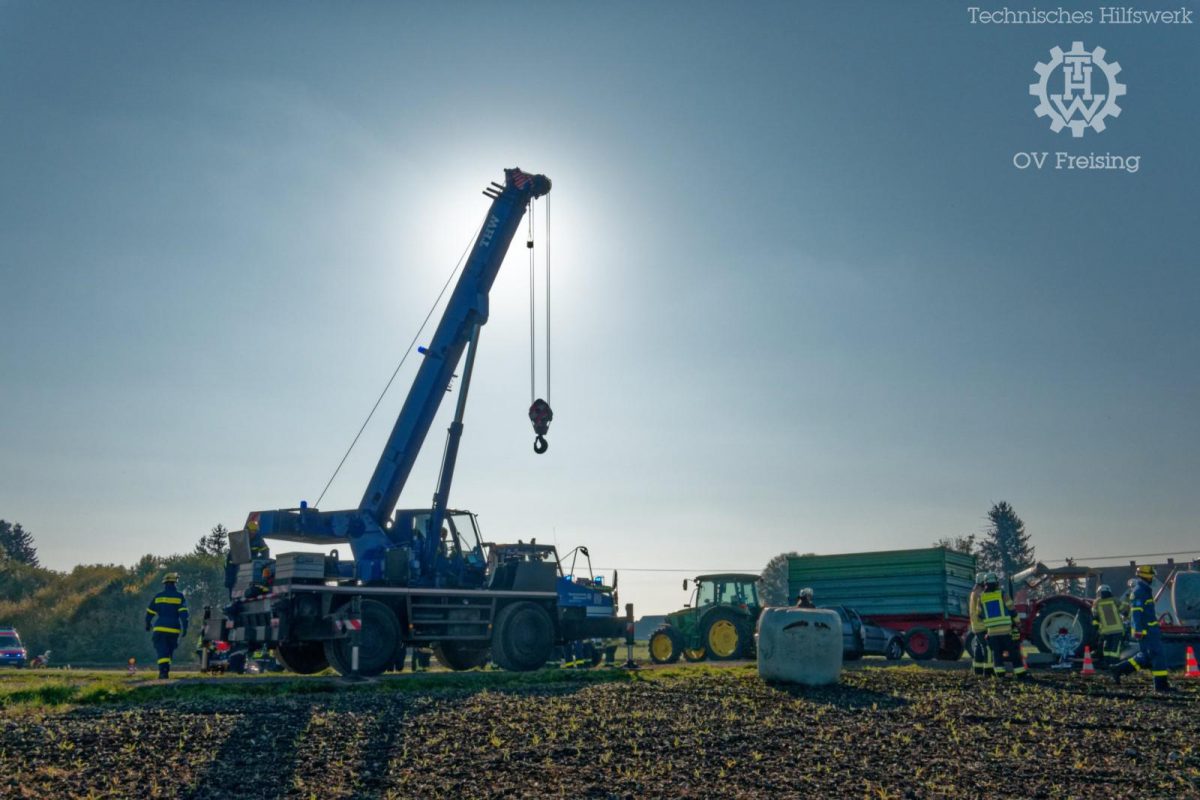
pixel 547 299
pixel 396 371
pixel 540 413
pixel 532 311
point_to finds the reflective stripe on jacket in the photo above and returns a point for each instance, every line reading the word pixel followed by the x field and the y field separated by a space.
pixel 1106 618
pixel 1141 608
pixel 995 612
pixel 168 611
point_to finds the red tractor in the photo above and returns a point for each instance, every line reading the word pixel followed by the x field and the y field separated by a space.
pixel 1056 601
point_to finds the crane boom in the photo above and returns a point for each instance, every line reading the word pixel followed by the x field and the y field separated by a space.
pixel 467 309
pixel 466 312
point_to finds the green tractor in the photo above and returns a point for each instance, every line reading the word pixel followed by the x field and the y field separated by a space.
pixel 718 624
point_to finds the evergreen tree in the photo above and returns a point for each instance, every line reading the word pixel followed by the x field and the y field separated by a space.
pixel 16 543
pixel 215 543
pixel 1005 548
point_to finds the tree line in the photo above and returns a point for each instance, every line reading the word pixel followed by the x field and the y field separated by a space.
pixel 93 614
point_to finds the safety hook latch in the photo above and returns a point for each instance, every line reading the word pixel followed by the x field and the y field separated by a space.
pixel 540 415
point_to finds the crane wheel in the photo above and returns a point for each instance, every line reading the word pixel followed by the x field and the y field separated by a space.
pixel 523 637
pixel 302 658
pixel 378 642
pixel 459 656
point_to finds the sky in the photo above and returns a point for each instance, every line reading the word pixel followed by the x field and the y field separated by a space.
pixel 802 297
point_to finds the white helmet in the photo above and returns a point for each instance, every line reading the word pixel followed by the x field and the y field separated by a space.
pixel 806 592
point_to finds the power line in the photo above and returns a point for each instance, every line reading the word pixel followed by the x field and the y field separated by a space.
pixel 678 569
pixel 1128 555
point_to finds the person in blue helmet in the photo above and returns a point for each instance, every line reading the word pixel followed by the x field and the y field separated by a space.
pixel 167 620
pixel 1143 629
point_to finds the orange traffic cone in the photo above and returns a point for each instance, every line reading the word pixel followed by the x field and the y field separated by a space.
pixel 1193 671
pixel 1088 668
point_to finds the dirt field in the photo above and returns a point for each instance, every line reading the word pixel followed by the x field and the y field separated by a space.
pixel 690 731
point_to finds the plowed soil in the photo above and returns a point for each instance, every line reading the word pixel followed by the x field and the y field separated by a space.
pixel 687 732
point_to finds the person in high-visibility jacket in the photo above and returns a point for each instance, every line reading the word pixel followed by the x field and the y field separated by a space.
pixel 998 617
pixel 1106 620
pixel 1143 627
pixel 981 654
pixel 167 619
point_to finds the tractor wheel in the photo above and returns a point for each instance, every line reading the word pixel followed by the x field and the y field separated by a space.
pixel 921 644
pixel 459 656
pixel 952 647
pixel 666 645
pixel 378 642
pixel 693 656
pixel 725 637
pixel 1061 616
pixel 302 658
pixel 523 638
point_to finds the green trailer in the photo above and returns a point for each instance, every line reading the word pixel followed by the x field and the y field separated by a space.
pixel 924 593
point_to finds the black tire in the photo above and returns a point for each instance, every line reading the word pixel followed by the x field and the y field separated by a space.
pixel 920 643
pixel 1054 615
pixel 597 656
pixel 725 636
pixel 460 656
pixel 237 663
pixel 378 642
pixel 660 652
pixel 894 649
pixel 523 638
pixel 302 658
pixel 952 647
pixel 695 656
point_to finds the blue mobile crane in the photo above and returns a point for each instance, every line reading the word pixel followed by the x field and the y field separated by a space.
pixel 418 577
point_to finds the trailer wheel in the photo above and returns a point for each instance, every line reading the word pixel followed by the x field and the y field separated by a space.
pixel 1061 616
pixel 920 643
pixel 952 647
pixel 302 658
pixel 665 645
pixel 524 637
pixel 459 656
pixel 378 642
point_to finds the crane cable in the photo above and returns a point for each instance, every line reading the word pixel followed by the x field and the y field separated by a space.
pixel 540 413
pixel 396 371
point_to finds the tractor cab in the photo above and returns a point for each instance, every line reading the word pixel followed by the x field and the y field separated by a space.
pixel 718 623
pixel 727 589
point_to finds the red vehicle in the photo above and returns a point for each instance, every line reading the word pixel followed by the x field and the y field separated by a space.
pixel 12 652
pixel 1055 601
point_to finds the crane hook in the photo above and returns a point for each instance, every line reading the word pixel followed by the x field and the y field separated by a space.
pixel 540 415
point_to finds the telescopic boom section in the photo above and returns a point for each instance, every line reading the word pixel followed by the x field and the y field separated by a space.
pixel 466 310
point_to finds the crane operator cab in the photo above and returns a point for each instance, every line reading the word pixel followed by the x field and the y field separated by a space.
pixel 454 558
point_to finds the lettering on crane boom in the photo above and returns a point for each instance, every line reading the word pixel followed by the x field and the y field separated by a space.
pixel 489 229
